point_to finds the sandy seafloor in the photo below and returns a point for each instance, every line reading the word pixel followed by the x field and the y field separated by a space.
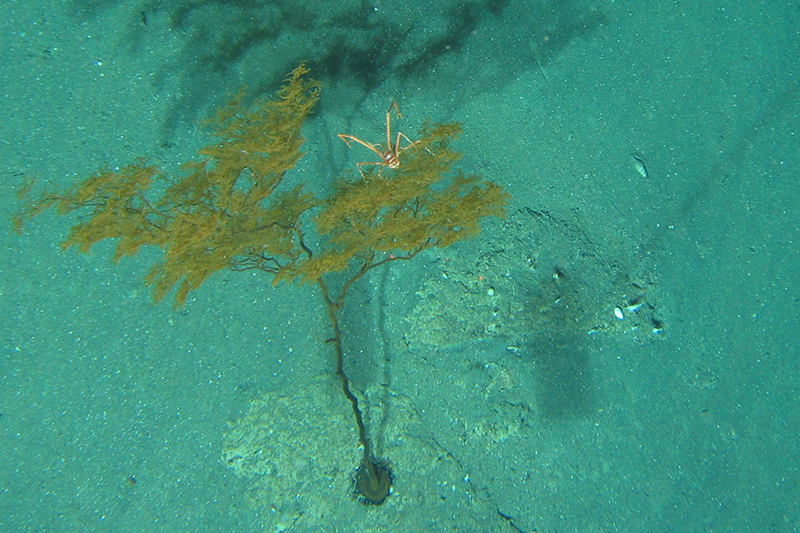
pixel 498 381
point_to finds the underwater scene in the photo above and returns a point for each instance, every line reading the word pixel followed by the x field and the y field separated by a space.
pixel 475 266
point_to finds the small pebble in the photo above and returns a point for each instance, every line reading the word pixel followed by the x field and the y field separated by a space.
pixel 638 164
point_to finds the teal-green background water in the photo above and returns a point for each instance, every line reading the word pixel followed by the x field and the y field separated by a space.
pixel 498 380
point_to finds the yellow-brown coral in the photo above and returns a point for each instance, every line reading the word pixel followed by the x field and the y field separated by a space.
pixel 226 210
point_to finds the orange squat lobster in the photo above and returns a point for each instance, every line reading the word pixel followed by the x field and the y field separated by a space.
pixel 389 157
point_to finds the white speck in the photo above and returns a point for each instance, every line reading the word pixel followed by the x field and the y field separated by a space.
pixel 633 308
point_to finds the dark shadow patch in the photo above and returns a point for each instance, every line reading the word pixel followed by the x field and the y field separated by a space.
pixel 460 47
pixel 562 365
pixel 563 377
